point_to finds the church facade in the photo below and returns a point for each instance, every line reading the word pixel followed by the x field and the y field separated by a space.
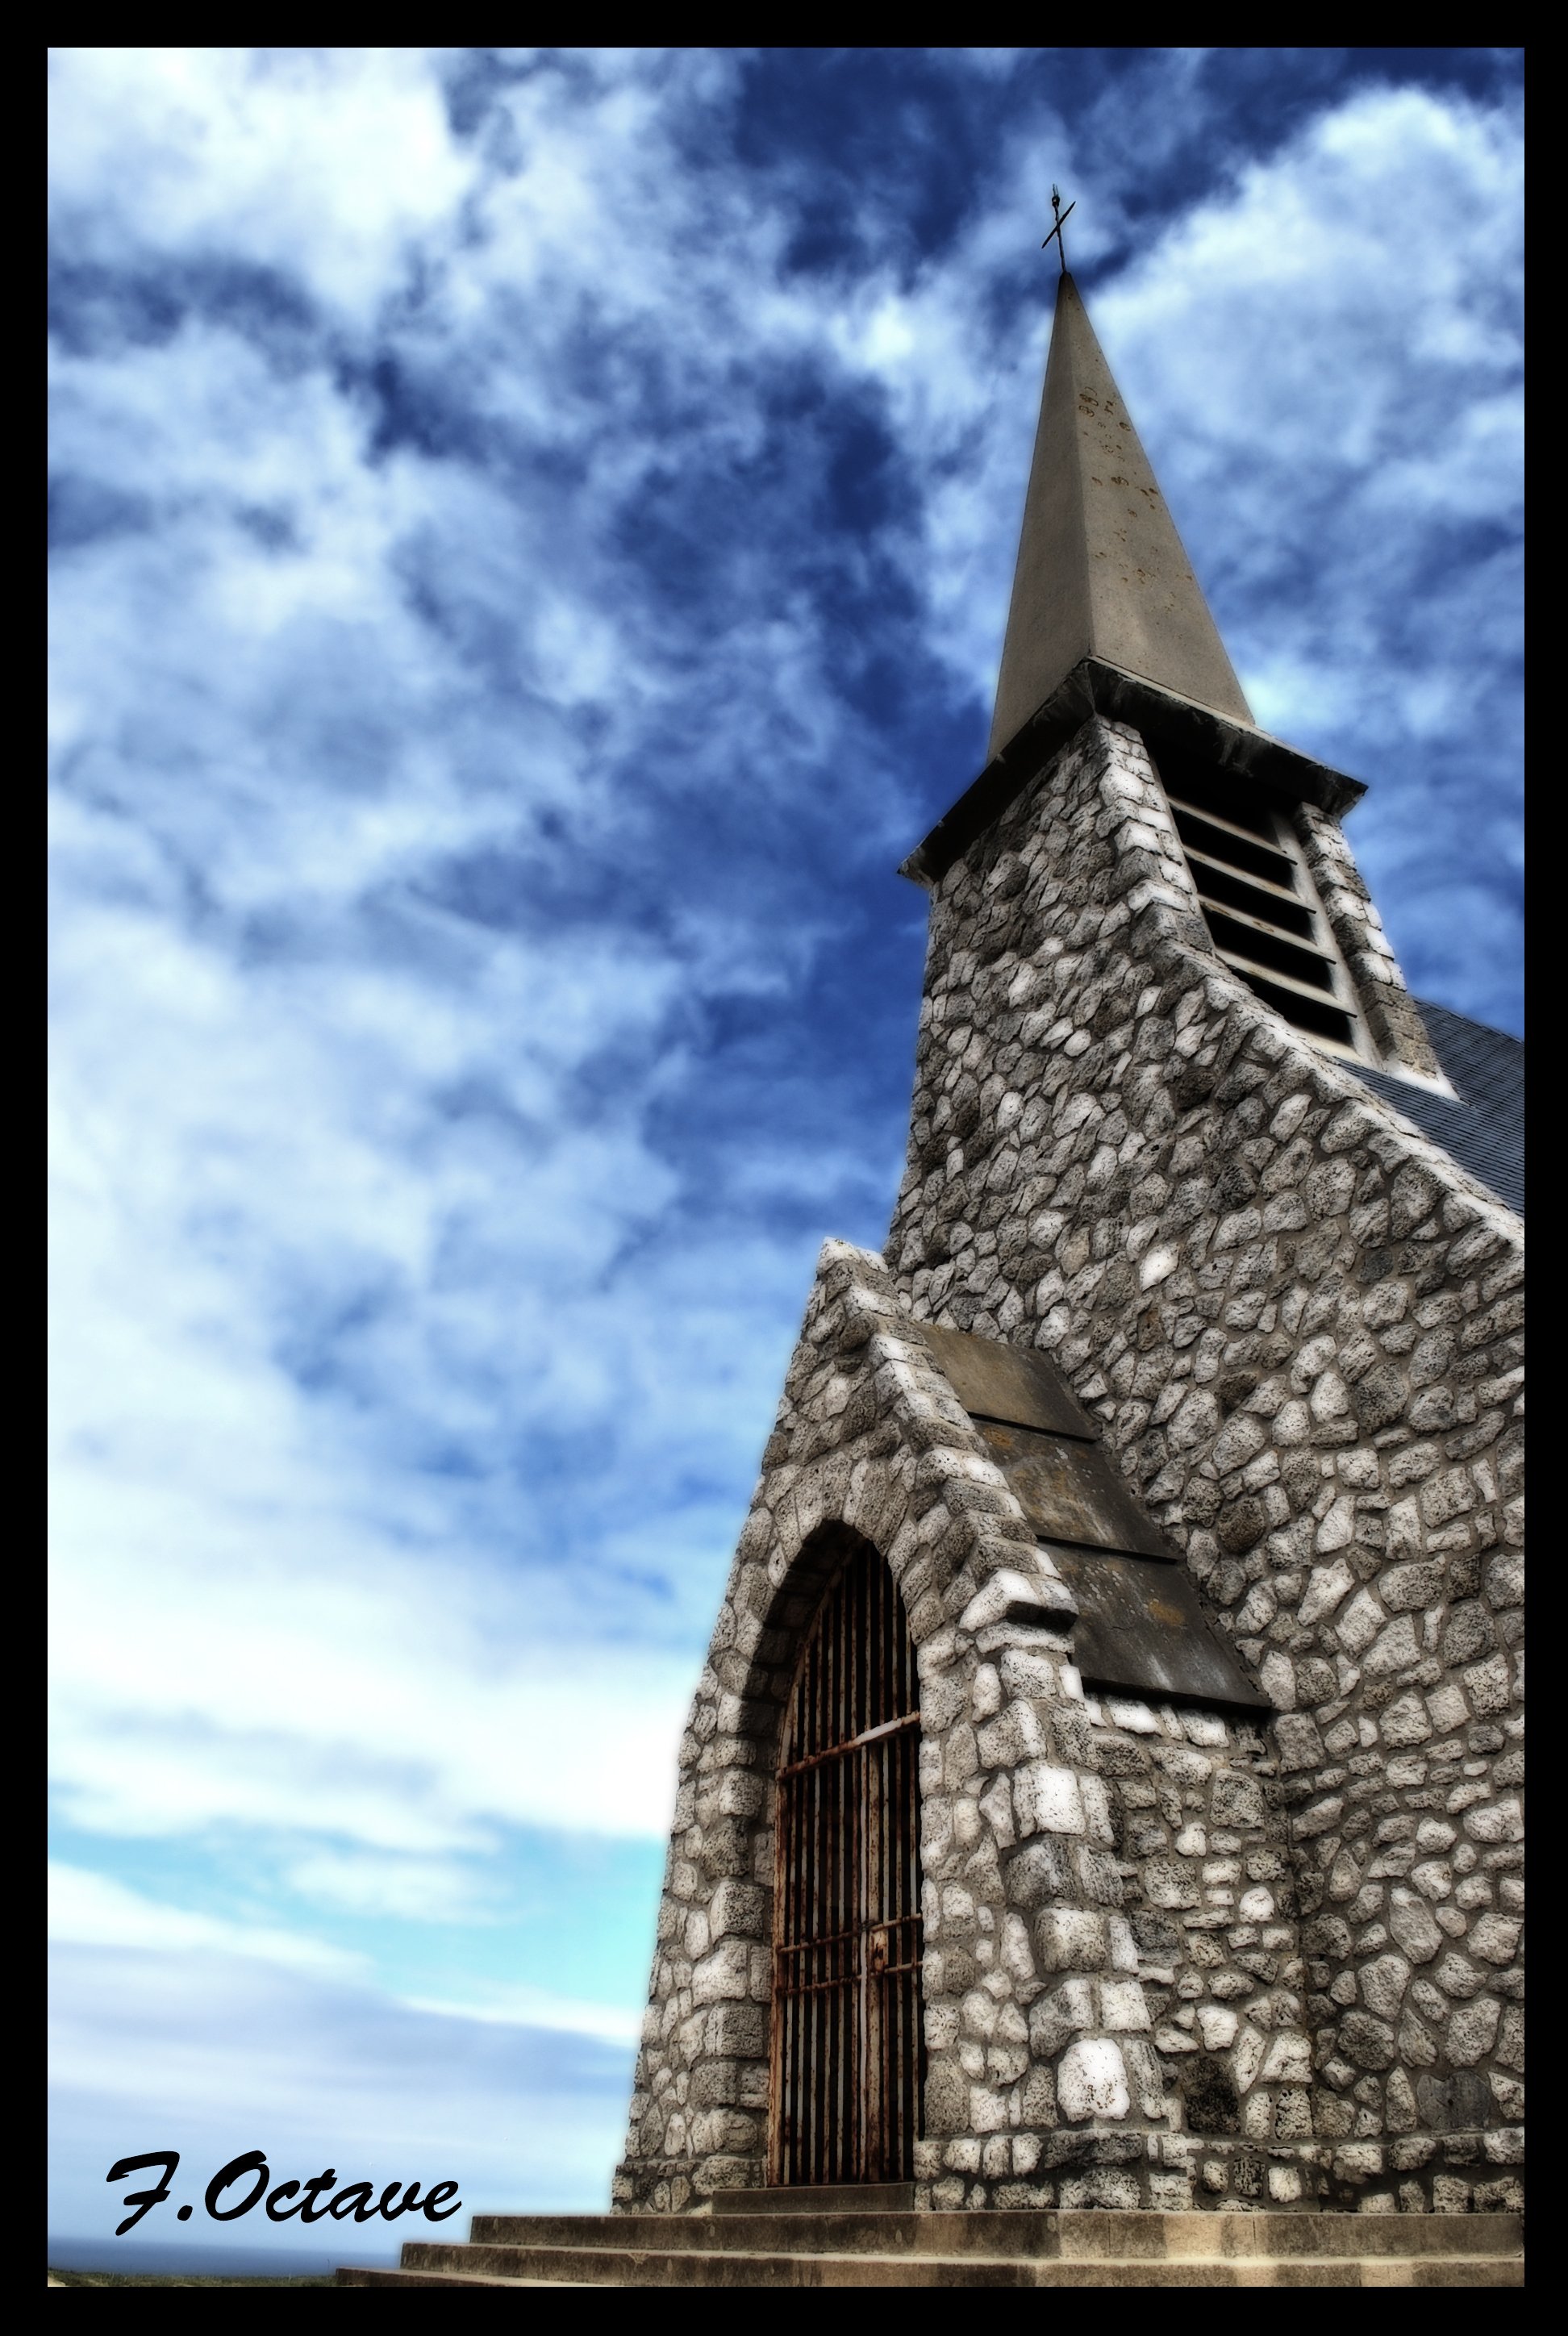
pixel 1103 1789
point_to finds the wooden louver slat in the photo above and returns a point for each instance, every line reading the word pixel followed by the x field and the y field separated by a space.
pixel 1262 908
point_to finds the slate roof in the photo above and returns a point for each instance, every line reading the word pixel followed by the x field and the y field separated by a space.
pixel 1485 1130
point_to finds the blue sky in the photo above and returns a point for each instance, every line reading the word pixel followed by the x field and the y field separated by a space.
pixel 532 534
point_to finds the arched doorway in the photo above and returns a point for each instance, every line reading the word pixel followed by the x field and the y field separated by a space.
pixel 848 2048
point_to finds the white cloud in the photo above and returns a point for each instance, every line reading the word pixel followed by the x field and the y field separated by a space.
pixel 539 2006
pixel 253 1144
pixel 324 163
pixel 269 1680
pixel 457 722
pixel 411 1889
pixel 88 1910
pixel 1292 345
pixel 216 2057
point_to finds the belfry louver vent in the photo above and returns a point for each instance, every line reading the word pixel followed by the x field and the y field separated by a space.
pixel 1261 908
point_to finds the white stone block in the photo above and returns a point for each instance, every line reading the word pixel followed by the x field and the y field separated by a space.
pixel 1096 1803
pixel 1046 1799
pixel 1247 2059
pixel 1174 2040
pixel 1502 1820
pixel 1447 1709
pixel 996 1808
pixel 1327 1587
pixel 1157 1265
pixel 1092 2081
pixel 979 2013
pixel 1288 2061
pixel 1014 1735
pixel 1122 2006
pixel 1017 1961
pixel 1009 1592
pixel 987 2109
pixel 725 1976
pixel 1072 1938
pixel 1137 1719
pixel 1360 1622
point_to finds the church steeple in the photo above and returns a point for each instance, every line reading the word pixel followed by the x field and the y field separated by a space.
pixel 1101 569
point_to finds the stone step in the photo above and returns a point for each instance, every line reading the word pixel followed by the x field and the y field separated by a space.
pixel 607 2267
pixel 1078 2236
pixel 365 2278
pixel 820 2198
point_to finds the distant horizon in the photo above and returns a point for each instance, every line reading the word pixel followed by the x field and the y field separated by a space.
pixel 156 2257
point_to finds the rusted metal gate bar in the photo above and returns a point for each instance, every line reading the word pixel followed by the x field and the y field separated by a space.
pixel 847 2030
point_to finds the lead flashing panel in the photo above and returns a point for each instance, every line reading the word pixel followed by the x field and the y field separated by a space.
pixel 993 1381
pixel 1070 1491
pixel 1141 1625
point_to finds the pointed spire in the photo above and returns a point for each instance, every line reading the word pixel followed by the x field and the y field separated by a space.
pixel 1101 569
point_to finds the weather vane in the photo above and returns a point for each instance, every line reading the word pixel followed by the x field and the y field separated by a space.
pixel 1056 235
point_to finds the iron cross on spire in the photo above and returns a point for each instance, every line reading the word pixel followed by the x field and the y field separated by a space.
pixel 1056 235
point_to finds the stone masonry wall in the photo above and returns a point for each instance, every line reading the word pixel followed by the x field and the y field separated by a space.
pixel 1392 1014
pixel 1042 2086
pixel 1206 1870
pixel 1113 1971
pixel 1299 1324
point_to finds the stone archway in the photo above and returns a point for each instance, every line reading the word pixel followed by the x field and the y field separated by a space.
pixel 847 2061
pixel 872 1445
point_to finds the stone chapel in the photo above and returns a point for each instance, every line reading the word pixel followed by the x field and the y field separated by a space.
pixel 1103 1788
